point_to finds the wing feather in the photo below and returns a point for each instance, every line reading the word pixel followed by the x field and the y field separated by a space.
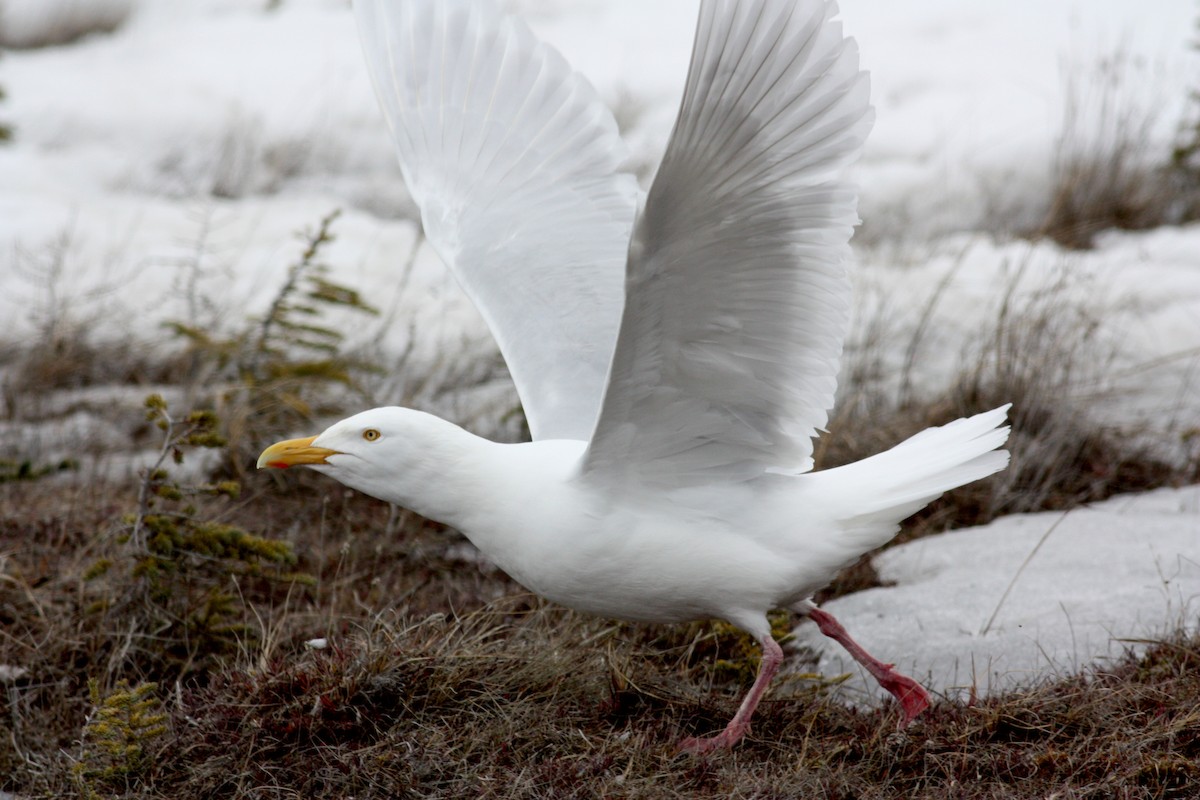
pixel 514 162
pixel 737 297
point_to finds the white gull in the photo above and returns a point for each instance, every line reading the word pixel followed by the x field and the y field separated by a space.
pixel 675 354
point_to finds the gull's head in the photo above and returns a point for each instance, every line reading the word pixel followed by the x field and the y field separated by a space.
pixel 376 451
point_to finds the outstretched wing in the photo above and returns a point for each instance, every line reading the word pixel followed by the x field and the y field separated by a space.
pixel 737 297
pixel 512 159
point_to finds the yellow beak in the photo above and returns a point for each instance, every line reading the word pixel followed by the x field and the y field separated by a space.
pixel 293 452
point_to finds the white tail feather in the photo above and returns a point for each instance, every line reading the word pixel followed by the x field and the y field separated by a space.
pixel 884 489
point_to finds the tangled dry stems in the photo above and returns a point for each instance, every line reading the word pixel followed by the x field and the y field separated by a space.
pixel 430 687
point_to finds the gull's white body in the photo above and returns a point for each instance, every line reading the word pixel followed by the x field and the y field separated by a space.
pixel 723 550
pixel 659 559
pixel 676 353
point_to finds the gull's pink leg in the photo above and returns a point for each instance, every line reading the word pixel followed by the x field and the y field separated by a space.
pixel 912 695
pixel 772 657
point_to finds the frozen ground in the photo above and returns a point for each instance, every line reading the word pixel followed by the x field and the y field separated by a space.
pixel 161 171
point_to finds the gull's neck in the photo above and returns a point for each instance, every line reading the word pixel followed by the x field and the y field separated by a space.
pixel 450 476
pixel 484 489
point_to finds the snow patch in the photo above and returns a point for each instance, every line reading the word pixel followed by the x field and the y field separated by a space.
pixel 1025 598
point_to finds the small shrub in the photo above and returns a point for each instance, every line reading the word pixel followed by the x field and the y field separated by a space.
pixel 182 570
pixel 281 369
pixel 123 725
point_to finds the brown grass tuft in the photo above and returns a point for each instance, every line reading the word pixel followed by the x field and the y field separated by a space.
pixel 1043 352
pixel 1103 175
pixel 51 23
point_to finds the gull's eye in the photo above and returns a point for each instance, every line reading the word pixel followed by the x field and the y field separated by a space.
pixel 370 434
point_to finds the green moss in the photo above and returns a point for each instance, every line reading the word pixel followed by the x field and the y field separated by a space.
pixel 742 653
pixel 124 724
pixel 98 568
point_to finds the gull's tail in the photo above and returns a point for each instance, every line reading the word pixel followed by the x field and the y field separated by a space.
pixel 884 489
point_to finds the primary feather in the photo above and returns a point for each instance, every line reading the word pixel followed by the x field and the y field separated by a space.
pixel 514 162
pixel 737 298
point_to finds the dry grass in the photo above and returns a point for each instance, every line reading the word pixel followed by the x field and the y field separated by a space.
pixel 1117 162
pixel 1104 175
pixel 50 23
pixel 443 680
pixel 1043 351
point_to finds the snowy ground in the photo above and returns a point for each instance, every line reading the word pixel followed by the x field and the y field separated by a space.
pixel 1028 597
pixel 161 171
